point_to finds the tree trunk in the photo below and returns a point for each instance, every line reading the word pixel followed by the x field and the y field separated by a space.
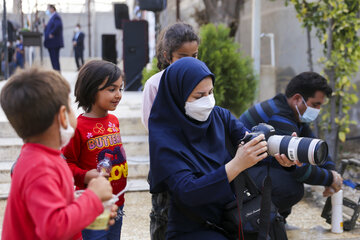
pixel 224 11
pixel 311 69
pixel 332 129
pixel 309 49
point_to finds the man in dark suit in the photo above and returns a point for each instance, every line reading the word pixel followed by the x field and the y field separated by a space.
pixel 54 36
pixel 78 43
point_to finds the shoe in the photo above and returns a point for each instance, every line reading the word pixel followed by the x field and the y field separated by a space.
pixel 290 227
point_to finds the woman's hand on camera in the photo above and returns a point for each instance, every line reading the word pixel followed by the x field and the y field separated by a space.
pixel 246 156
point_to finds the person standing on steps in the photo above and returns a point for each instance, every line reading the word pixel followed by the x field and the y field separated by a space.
pixel 53 35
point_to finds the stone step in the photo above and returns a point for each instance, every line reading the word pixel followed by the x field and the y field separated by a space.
pixel 128 126
pixel 134 146
pixel 138 168
pixel 134 185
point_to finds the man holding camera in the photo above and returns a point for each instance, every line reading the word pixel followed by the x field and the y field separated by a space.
pixel 288 114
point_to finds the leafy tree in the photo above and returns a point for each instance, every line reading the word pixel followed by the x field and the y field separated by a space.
pixel 235 82
pixel 336 23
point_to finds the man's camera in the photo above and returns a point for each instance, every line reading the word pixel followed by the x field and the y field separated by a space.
pixel 306 150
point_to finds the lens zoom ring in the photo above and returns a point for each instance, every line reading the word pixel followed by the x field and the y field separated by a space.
pixel 284 145
pixel 303 150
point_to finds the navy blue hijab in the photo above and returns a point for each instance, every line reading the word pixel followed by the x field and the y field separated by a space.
pixel 177 142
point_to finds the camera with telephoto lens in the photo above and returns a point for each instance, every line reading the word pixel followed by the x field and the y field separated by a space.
pixel 306 150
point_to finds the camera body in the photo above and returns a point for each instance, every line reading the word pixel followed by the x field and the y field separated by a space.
pixel 306 150
pixel 262 128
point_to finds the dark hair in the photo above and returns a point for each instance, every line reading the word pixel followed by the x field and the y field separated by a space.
pixel 52 6
pixel 31 98
pixel 78 25
pixel 90 77
pixel 306 84
pixel 171 39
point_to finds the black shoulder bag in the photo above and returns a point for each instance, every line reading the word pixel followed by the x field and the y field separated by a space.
pixel 259 216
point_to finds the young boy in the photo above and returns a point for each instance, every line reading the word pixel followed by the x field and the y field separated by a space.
pixel 41 203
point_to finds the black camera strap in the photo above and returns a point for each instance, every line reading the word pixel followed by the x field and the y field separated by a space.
pixel 239 187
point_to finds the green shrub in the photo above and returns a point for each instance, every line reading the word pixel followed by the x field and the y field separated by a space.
pixel 235 82
pixel 147 73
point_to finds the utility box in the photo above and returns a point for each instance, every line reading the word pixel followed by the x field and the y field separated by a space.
pixel 31 38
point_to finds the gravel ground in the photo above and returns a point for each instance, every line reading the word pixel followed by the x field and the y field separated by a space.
pixel 305 216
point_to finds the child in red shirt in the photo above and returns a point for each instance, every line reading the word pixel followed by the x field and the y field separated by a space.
pixel 98 90
pixel 41 202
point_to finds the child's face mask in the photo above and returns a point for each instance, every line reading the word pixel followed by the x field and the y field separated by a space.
pixel 66 134
pixel 200 109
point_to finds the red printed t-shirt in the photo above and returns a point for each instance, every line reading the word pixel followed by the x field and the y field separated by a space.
pixel 92 139
pixel 41 202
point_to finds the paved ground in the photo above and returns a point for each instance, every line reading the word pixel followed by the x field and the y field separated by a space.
pixel 305 215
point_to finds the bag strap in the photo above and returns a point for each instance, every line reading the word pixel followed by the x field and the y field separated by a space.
pixel 264 225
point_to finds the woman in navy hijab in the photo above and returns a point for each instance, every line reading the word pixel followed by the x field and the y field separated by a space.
pixel 188 156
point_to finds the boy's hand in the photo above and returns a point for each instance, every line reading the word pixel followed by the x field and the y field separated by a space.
pixel 101 187
pixel 93 173
pixel 113 214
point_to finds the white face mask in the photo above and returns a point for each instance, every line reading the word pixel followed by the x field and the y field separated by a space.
pixel 309 115
pixel 200 109
pixel 77 29
pixel 66 134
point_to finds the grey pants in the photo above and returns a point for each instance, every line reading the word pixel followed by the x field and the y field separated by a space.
pixel 159 215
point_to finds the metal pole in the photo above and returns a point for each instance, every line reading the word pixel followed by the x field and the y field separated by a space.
pixel 21 15
pixel 89 26
pixel 255 34
pixel 272 46
pixel 272 49
pixel 157 24
pixel 177 10
pixel 5 40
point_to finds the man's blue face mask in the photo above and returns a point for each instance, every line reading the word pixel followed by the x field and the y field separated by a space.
pixel 309 115
pixel 47 12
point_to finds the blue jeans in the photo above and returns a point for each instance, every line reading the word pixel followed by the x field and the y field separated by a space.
pixel 113 233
